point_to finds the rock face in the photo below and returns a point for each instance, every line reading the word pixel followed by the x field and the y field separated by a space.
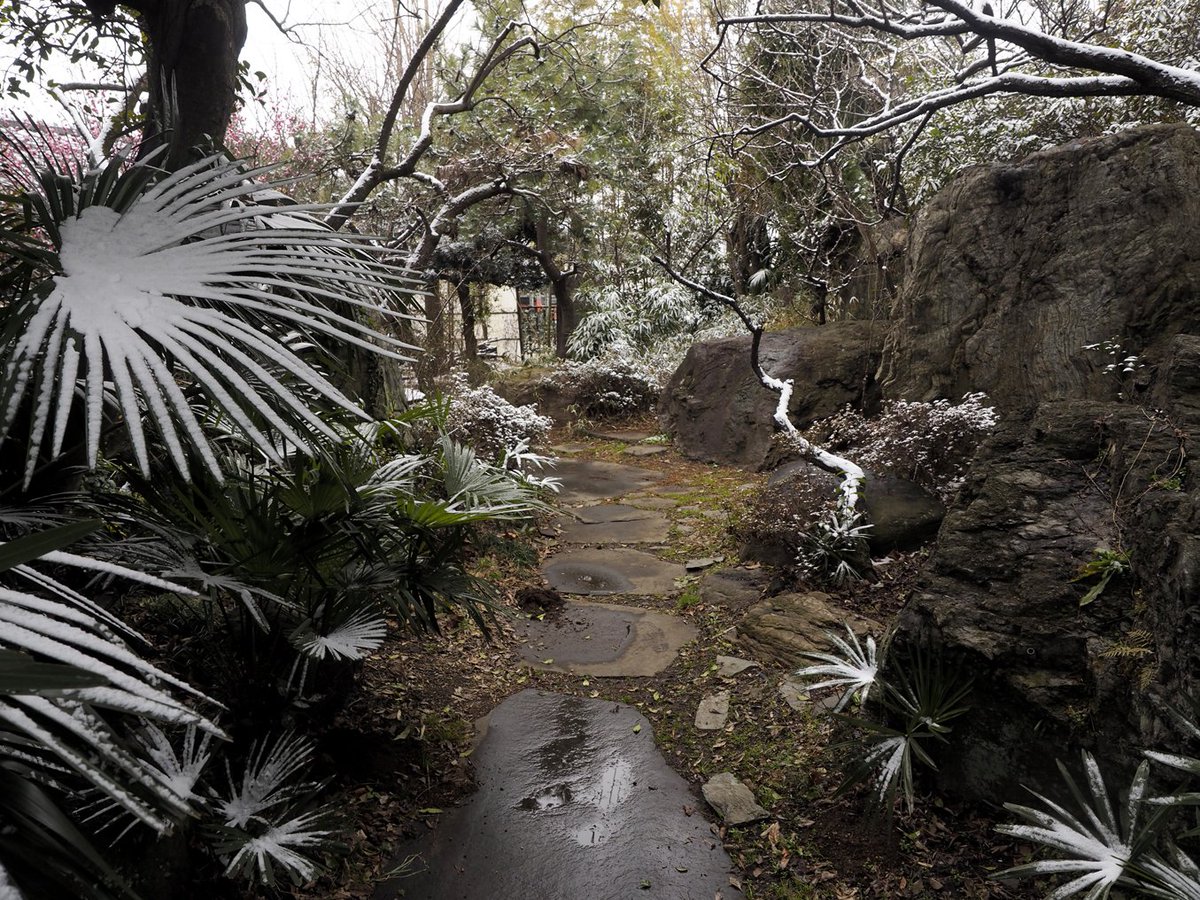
pixel 1013 269
pixel 718 412
pixel 998 594
pixel 785 627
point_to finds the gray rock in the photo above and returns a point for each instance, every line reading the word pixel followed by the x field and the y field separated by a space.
pixel 574 801
pixel 702 563
pixel 731 666
pixel 794 694
pixel 732 800
pixel 644 450
pixel 586 480
pixel 603 639
pixel 903 515
pixel 610 571
pixel 614 524
pixel 713 712
pixel 718 412
pixel 732 586
pixel 1014 268
pixel 783 628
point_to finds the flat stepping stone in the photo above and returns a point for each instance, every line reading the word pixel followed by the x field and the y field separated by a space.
pixel 644 450
pixel 574 801
pixel 794 694
pixel 614 523
pixel 585 480
pixel 652 502
pixel 613 571
pixel 732 800
pixel 569 448
pixel 713 712
pixel 625 436
pixel 731 666
pixel 702 563
pixel 603 639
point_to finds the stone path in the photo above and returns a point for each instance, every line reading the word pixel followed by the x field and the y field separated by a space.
pixel 574 801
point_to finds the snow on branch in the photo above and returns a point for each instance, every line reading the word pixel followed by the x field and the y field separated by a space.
pixel 851 474
pixel 946 30
pixel 378 171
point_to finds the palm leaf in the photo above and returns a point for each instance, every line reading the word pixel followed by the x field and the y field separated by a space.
pixel 171 286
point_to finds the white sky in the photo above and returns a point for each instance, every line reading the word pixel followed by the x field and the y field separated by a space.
pixel 342 25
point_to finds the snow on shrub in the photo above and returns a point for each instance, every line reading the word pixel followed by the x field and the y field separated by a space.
pixel 489 424
pixel 606 387
pixel 928 443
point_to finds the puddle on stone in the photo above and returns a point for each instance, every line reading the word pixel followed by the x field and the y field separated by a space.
pixel 559 795
pixel 587 578
pixel 574 801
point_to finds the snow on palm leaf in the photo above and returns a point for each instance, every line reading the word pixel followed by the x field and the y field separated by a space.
pixel 856 668
pixel 56 634
pixel 168 288
pixel 1098 849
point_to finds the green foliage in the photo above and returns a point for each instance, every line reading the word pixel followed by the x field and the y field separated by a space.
pixel 1100 570
pixel 299 565
pixel 918 699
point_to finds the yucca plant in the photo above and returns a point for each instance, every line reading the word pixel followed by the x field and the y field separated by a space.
pixel 170 295
pixel 917 702
pixel 1137 852
pixel 1098 847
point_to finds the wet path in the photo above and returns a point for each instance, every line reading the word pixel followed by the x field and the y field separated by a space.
pixel 574 803
pixel 574 800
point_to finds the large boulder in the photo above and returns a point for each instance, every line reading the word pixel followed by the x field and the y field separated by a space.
pixel 1013 269
pixel 999 594
pixel 782 629
pixel 718 412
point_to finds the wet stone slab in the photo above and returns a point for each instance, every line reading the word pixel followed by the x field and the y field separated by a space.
pixel 604 640
pixel 614 523
pixel 574 802
pixel 591 479
pixel 612 571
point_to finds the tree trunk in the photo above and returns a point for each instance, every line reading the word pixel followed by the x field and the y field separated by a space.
pixel 193 71
pixel 467 309
pixel 566 316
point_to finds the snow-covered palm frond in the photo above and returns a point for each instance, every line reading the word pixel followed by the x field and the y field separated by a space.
pixel 1178 879
pixel 267 781
pixel 482 490
pixel 62 727
pixel 351 639
pixel 279 845
pixel 1097 847
pixel 161 287
pixel 856 668
pixel 262 828
pixel 180 768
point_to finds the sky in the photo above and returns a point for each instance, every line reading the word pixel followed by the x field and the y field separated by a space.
pixel 329 27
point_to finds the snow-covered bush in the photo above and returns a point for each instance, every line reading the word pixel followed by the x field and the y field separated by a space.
pixel 486 422
pixel 928 443
pixel 606 387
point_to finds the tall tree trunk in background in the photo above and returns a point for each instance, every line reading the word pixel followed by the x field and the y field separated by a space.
pixel 567 316
pixel 467 309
